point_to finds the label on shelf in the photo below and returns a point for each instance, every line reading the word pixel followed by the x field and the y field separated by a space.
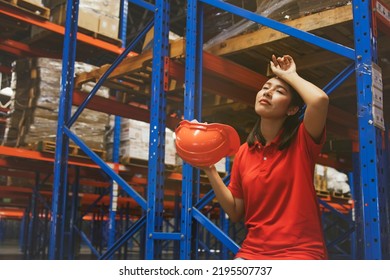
pixel 377 97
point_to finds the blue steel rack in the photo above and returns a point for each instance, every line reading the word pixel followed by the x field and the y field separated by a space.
pixel 371 179
pixel 372 213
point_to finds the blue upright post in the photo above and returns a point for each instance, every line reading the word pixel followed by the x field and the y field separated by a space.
pixel 156 166
pixel 116 144
pixel 33 221
pixel 353 234
pixel 73 214
pixel 370 138
pixel 64 112
pixel 189 114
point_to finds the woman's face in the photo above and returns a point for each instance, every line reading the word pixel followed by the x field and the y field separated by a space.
pixel 274 99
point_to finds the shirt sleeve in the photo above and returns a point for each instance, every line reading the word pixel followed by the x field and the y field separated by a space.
pixel 312 147
pixel 235 176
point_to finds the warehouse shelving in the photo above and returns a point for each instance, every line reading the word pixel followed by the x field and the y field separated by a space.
pixel 371 219
pixel 35 20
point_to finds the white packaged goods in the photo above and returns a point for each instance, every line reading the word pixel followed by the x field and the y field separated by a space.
pixel 336 181
pixel 36 88
pixel 134 142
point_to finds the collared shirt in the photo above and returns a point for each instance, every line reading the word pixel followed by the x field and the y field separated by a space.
pixel 281 208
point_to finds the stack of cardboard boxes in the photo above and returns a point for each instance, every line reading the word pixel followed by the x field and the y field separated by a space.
pixel 95 16
pixel 34 110
pixel 134 142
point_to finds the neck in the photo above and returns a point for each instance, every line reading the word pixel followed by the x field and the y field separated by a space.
pixel 270 129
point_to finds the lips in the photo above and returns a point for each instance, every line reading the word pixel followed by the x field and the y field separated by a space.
pixel 264 101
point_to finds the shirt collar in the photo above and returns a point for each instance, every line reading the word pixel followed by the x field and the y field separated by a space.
pixel 274 142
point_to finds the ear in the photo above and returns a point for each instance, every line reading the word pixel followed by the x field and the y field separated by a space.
pixel 292 110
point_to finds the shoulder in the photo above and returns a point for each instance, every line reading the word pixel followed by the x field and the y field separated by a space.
pixel 307 143
pixel 303 133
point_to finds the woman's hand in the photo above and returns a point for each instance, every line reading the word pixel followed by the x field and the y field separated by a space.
pixel 207 169
pixel 283 66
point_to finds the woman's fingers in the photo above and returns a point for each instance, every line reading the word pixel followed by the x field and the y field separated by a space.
pixel 274 60
pixel 283 63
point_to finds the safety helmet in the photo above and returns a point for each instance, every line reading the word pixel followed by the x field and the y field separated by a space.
pixel 204 144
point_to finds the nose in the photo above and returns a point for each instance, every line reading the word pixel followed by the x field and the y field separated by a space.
pixel 267 93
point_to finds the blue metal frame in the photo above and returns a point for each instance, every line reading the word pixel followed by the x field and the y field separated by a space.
pixel 370 139
pixel 299 34
pixel 370 221
pixel 117 132
pixel 192 64
pixel 62 141
pixel 65 121
pixel 156 165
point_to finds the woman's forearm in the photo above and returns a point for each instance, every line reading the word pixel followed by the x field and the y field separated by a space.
pixel 225 198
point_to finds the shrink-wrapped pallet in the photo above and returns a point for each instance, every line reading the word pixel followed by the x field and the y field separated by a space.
pixel 36 86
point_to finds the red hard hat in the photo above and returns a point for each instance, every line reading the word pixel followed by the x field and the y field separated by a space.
pixel 203 144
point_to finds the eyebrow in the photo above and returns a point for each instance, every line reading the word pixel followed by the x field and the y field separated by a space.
pixel 278 86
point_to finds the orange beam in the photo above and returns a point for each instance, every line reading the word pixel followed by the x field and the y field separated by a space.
pixel 28 154
pixel 225 78
pixel 21 49
pixel 344 208
pixel 11 213
pixel 86 198
pixel 11 50
pixel 223 68
pixel 5 69
pixel 109 106
pixel 26 17
pixel 218 85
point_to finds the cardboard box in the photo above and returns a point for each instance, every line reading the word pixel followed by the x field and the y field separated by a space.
pixel 104 7
pixel 89 20
pixel 134 142
pixel 35 2
pixel 109 26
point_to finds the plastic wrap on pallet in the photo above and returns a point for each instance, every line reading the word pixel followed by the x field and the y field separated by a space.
pixel 35 2
pixel 134 141
pixel 36 87
pixel 97 16
pixel 101 7
pixel 222 25
pixel 331 178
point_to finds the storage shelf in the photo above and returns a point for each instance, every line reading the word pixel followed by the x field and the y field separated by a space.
pixel 230 81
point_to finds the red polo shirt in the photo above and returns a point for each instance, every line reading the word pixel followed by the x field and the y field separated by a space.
pixel 281 208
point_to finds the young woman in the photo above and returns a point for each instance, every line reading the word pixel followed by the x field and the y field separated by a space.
pixel 271 183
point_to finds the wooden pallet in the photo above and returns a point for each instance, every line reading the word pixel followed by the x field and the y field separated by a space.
pixel 141 162
pixel 74 150
pixel 324 195
pixel 340 195
pixel 29 7
pixel 96 35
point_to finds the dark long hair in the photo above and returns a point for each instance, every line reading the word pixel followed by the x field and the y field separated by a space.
pixel 290 126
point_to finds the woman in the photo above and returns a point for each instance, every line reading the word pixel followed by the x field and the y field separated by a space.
pixel 271 183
